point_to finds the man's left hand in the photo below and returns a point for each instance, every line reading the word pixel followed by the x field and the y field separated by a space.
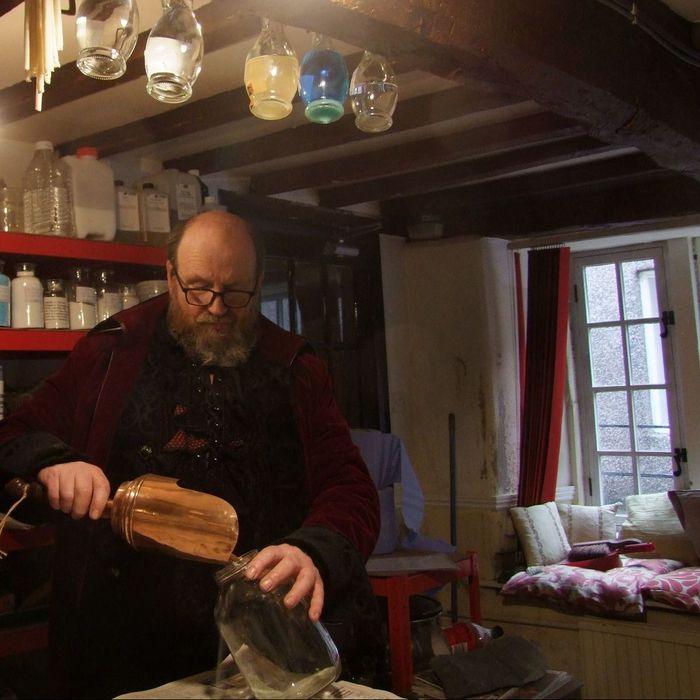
pixel 277 564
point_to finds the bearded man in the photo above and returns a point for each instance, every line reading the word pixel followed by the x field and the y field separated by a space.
pixel 195 384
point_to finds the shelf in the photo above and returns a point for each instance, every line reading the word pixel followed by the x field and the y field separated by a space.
pixel 81 249
pixel 38 339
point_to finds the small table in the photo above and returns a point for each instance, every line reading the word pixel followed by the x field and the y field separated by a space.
pixel 398 585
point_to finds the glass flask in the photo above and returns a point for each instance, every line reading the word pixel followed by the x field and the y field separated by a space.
pixel 280 651
pixel 174 52
pixel 373 93
pixel 106 31
pixel 271 73
pixel 323 81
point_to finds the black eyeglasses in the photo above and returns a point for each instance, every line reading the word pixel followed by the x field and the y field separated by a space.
pixel 232 298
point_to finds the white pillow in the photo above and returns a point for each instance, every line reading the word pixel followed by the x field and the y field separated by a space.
pixel 541 534
pixel 588 523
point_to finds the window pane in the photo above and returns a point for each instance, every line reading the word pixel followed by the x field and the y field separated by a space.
pixel 646 358
pixel 616 478
pixel 607 361
pixel 601 293
pixel 651 420
pixel 309 294
pixel 275 293
pixel 639 289
pixel 655 474
pixel 612 421
pixel 341 305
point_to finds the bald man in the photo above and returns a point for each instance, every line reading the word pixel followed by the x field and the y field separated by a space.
pixel 194 384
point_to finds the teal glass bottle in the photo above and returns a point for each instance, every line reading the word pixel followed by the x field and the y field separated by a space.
pixel 323 81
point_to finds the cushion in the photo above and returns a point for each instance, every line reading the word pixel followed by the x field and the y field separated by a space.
pixel 680 589
pixel 652 518
pixel 541 534
pixel 687 507
pixel 588 523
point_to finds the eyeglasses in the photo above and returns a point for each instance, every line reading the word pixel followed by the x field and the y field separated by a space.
pixel 232 298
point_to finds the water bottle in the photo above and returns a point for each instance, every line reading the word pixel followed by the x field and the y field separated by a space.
pixel 4 297
pixel 48 207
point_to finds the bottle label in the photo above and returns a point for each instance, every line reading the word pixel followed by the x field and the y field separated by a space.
pixel 56 312
pixel 157 214
pixel 186 201
pixel 86 295
pixel 128 210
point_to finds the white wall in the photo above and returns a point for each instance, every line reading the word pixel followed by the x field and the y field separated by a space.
pixel 14 159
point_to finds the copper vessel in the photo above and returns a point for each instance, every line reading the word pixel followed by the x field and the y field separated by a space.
pixel 153 512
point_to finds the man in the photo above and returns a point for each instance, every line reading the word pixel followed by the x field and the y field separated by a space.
pixel 196 385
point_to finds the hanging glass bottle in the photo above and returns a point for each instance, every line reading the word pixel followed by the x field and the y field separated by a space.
pixel 373 93
pixel 106 31
pixel 174 52
pixel 323 81
pixel 271 73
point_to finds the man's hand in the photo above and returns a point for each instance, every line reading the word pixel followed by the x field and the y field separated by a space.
pixel 279 563
pixel 76 488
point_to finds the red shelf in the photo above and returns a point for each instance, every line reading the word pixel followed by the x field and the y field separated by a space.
pixel 39 339
pixel 77 248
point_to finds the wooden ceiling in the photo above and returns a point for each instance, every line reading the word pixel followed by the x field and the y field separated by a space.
pixel 535 117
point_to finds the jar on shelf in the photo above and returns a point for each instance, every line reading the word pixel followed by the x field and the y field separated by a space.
pixel 82 299
pixel 4 297
pixel 109 299
pixel 55 305
pixel 27 295
pixel 129 296
pixel 280 651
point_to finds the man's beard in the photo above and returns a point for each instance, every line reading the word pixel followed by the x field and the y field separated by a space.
pixel 201 341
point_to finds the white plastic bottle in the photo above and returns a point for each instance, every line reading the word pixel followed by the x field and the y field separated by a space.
pixel 184 192
pixel 48 206
pixel 5 318
pixel 92 190
pixel 27 298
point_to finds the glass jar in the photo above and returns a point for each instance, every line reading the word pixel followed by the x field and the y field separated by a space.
pixel 129 296
pixel 280 651
pixel 27 297
pixel 82 299
pixel 109 298
pixel 55 305
pixel 323 81
pixel 373 93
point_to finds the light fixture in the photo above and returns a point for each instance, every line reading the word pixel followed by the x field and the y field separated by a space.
pixel 174 52
pixel 271 74
pixel 106 31
pixel 373 93
pixel 323 81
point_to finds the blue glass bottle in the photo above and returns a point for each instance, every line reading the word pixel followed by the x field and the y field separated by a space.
pixel 323 81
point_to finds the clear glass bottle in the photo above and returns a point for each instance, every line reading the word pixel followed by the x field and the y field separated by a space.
pixel 106 32
pixel 109 298
pixel 27 297
pixel 280 652
pixel 174 52
pixel 5 296
pixel 55 305
pixel 323 81
pixel 373 93
pixel 82 299
pixel 48 207
pixel 128 295
pixel 271 73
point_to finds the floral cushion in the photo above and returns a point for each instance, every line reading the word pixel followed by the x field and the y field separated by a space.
pixel 680 589
pixel 617 592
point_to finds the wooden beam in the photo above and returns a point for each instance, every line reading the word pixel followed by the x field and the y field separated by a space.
pixel 411 114
pixel 579 58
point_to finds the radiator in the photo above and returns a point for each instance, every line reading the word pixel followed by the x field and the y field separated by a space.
pixel 637 660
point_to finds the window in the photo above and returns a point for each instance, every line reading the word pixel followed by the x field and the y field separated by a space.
pixel 630 432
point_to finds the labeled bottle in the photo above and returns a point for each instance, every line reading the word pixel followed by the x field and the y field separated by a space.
pixel 109 298
pixel 323 81
pixel 5 296
pixel 127 203
pixel 271 73
pixel 373 93
pixel 465 636
pixel 82 299
pixel 55 305
pixel 204 189
pixel 154 216
pixel 280 652
pixel 27 298
pixel 48 206
pixel 129 297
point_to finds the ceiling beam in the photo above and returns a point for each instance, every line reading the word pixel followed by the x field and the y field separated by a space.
pixel 552 51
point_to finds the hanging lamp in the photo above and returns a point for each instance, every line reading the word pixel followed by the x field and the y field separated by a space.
pixel 373 93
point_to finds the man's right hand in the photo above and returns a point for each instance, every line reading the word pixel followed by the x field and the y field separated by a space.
pixel 77 488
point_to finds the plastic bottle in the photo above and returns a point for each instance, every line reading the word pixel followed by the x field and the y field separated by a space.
pixel 202 185
pixel 184 192
pixel 5 297
pixel 109 299
pixel 55 305
pixel 210 204
pixel 48 207
pixel 154 217
pixel 127 203
pixel 27 298
pixel 92 191
pixel 82 299
pixel 465 636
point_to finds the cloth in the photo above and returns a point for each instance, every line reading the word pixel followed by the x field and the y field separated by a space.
pixel 76 414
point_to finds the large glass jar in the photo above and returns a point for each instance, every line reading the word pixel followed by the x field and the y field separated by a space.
pixel 280 651
pixel 82 299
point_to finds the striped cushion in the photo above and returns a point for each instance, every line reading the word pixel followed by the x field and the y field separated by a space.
pixel 541 534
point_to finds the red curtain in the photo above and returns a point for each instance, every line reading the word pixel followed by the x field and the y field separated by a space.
pixel 545 374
